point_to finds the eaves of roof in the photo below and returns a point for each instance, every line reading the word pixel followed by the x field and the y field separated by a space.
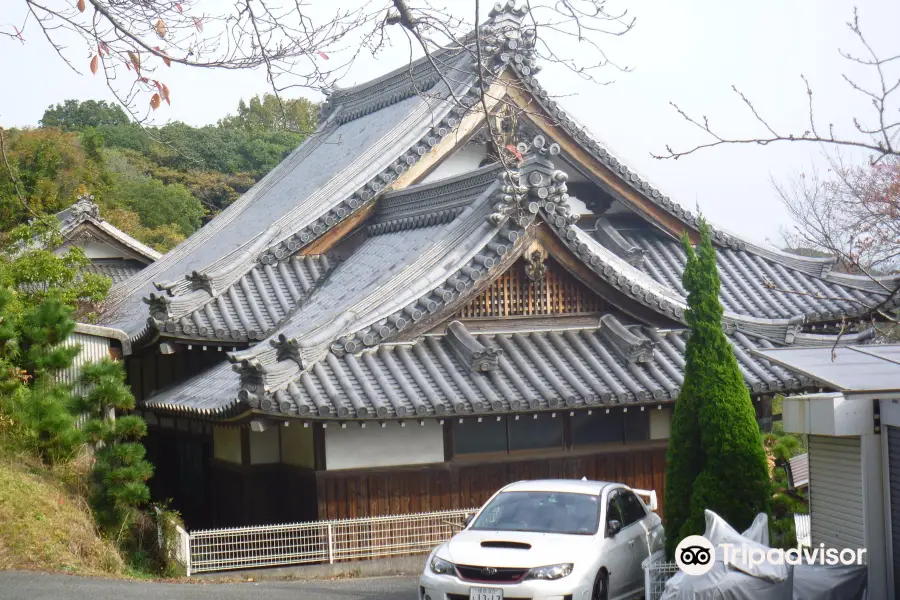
pixel 460 374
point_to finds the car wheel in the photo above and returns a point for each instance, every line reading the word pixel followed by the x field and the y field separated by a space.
pixel 601 585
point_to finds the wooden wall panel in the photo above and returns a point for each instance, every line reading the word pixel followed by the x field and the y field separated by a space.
pixel 362 493
pixel 514 294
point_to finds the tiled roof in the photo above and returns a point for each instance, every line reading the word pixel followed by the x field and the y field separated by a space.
pixel 369 137
pixel 117 269
pixel 459 373
pixel 331 176
pixel 753 284
pixel 401 280
pixel 252 307
pixel 339 356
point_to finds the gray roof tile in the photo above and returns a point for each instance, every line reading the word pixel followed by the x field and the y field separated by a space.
pixel 752 284
pixel 538 370
pixel 255 305
pixel 117 269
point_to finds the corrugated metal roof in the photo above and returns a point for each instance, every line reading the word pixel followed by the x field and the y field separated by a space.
pixel 871 368
pixel 799 471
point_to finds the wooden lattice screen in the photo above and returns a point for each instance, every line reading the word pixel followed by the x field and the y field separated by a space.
pixel 514 294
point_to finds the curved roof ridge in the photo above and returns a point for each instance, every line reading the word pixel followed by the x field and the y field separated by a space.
pixel 815 266
pixel 403 292
pixel 504 24
pixel 312 217
pixel 226 216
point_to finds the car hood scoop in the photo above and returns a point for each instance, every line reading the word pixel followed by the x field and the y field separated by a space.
pixel 516 549
pixel 504 544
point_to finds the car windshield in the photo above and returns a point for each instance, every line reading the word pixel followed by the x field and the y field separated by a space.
pixel 541 512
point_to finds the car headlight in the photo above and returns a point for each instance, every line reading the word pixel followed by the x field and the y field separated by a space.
pixel 439 566
pixel 550 572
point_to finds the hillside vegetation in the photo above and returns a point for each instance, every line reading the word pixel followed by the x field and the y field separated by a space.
pixel 44 525
pixel 158 184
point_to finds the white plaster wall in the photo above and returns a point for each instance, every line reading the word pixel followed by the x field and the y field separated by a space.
pixel 466 159
pixel 265 447
pixel 297 446
pixel 101 250
pixel 376 446
pixel 227 444
pixel 660 423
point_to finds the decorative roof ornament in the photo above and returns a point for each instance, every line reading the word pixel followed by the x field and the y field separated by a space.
pixel 84 208
pixel 252 374
pixel 201 281
pixel 505 41
pixel 605 233
pixel 535 268
pixel 631 346
pixel 538 146
pixel 159 306
pixel 287 348
pixel 535 185
pixel 470 352
pixel 511 201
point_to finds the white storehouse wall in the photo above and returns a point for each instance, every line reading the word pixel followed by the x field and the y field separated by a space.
pixel 388 446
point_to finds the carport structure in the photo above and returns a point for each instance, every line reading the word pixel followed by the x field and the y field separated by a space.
pixel 854 450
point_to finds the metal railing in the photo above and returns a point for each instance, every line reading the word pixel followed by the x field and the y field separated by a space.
pixel 803 530
pixel 656 573
pixel 320 541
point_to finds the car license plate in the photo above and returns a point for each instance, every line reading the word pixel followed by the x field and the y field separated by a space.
pixel 485 594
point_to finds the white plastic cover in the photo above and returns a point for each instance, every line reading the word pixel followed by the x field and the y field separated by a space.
pixel 739 580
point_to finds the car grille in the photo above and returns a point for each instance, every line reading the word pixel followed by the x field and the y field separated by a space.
pixel 490 574
pixel 466 597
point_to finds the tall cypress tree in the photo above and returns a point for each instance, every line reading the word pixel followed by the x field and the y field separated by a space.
pixel 715 459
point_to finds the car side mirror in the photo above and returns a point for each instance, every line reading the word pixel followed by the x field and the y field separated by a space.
pixel 613 527
pixel 467 520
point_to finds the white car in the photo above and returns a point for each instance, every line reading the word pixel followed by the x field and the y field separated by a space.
pixel 548 540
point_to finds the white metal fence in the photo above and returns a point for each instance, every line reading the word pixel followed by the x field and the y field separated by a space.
pixel 802 528
pixel 656 573
pixel 320 541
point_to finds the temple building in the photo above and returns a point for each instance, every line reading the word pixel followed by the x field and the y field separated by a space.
pixel 112 252
pixel 424 302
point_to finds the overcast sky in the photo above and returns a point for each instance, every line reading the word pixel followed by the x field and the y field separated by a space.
pixel 685 51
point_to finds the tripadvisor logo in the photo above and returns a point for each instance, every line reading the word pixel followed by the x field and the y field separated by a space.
pixel 695 555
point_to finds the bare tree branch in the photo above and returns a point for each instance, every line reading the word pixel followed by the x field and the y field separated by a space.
pixel 880 138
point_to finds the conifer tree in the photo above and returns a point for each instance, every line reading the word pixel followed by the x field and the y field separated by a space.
pixel 29 355
pixel 120 471
pixel 715 459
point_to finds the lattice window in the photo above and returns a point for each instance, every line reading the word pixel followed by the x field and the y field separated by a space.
pixel 514 294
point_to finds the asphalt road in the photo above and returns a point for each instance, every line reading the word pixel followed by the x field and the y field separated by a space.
pixel 41 586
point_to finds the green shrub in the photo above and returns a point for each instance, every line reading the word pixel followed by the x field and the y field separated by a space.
pixel 715 459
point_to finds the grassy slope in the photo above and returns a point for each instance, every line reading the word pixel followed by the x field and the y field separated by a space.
pixel 45 526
